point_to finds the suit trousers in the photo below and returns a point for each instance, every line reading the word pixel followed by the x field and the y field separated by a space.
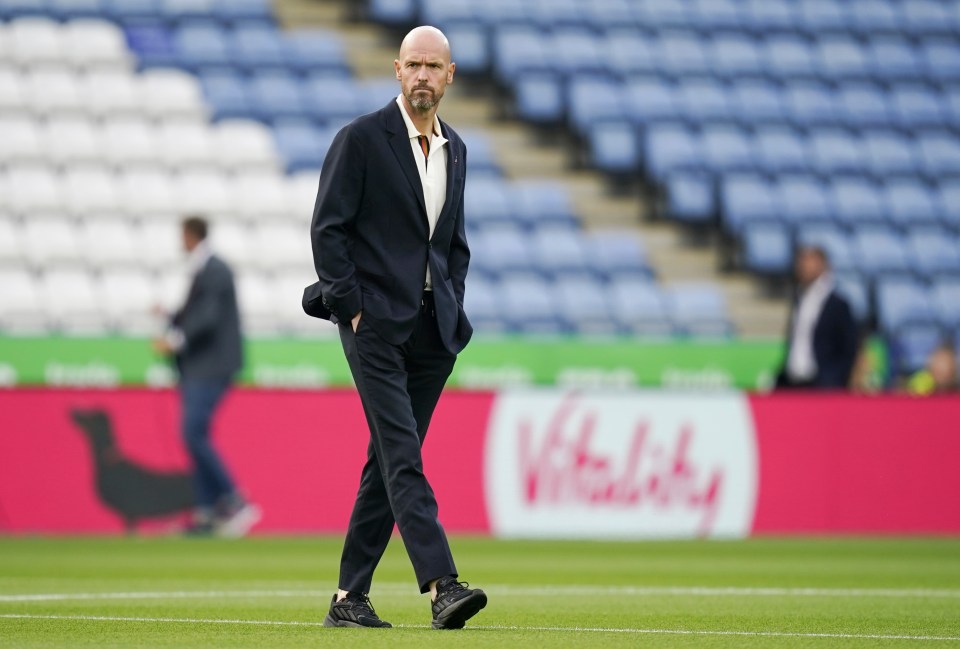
pixel 199 401
pixel 399 386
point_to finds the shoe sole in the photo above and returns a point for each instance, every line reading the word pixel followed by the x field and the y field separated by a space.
pixel 330 622
pixel 240 523
pixel 456 615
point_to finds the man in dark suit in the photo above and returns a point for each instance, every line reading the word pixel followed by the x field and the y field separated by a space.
pixel 204 340
pixel 822 336
pixel 391 256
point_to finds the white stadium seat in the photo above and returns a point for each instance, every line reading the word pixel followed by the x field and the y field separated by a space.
pixel 21 139
pixel 51 240
pixel 71 139
pixel 11 242
pixel 204 192
pixel 22 310
pixel 234 241
pixel 159 247
pixel 71 300
pixel 172 287
pixel 53 91
pixel 109 93
pixel 35 41
pixel 111 243
pixel 90 190
pixel 303 194
pixel 283 245
pixel 261 195
pixel 129 297
pixel 185 144
pixel 129 141
pixel 242 144
pixel 95 44
pixel 256 296
pixel 146 192
pixel 33 188
pixel 170 93
pixel 288 289
pixel 13 93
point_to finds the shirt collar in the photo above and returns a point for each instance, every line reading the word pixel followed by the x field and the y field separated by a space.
pixel 413 133
pixel 199 257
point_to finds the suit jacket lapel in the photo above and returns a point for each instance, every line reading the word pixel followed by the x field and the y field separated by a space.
pixel 454 165
pixel 400 143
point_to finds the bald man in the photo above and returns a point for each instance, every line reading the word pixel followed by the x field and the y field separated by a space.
pixel 391 256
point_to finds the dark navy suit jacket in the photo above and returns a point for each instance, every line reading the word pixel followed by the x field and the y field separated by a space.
pixel 371 239
pixel 210 322
pixel 835 344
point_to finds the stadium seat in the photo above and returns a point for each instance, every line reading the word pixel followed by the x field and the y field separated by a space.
pixel 902 301
pixel 940 58
pixel 584 305
pixel 703 100
pixel 717 15
pixel 11 242
pixel 910 202
pixel 835 152
pixel 34 41
pixel 893 58
pixel 22 139
pixel 857 201
pixel 245 12
pixel 835 242
pixel 542 203
pixel 302 145
pixel 90 191
pixel 656 14
pixel 810 104
pixel 257 299
pixel 946 298
pixel 530 305
pixel 767 249
pixel 332 100
pixel 481 303
pixel 690 197
pixel 670 148
pixel 315 50
pixel 152 43
pixel 75 9
pixel 591 101
pixel 863 105
pixel 781 150
pixel 110 243
pixel 766 16
pixel 70 140
pixel 923 17
pixel 260 194
pixel 53 91
pixel 681 54
pixel 841 58
pixel 615 253
pixel 912 344
pixel 183 11
pixel 22 304
pixel 13 90
pixel 628 53
pixel 934 252
pixel 881 252
pixel 519 51
pixel 201 46
pixel 755 101
pixel 258 47
pixel 556 250
pixel 640 308
pixel 948 200
pixel 243 144
pixel 855 289
pixel 650 100
pixel 72 302
pixel 871 17
pixel 147 192
pixel 159 248
pixel 278 96
pixel 576 51
pixel 394 12
pixel 746 200
pixel 939 154
pixel 818 17
pixel 33 189
pixel 540 98
pixel 916 106
pixel 94 44
pixel 609 14
pixel 727 149
pixel 789 57
pixel 128 300
pixel 888 153
pixel 171 93
pixel 614 147
pixel 735 56
pixel 486 201
pixel 185 144
pixel 502 249
pixel 471 49
pixel 699 309
pixel 109 94
pixel 203 191
pixel 803 199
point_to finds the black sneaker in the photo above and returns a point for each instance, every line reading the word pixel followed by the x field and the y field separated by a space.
pixel 354 610
pixel 456 603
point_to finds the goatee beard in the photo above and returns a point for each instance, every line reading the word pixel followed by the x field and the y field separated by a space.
pixel 421 103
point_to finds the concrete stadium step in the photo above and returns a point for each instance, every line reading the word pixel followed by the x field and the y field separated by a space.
pixel 524 152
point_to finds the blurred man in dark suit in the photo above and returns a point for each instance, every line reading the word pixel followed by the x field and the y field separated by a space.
pixel 822 336
pixel 391 256
pixel 204 338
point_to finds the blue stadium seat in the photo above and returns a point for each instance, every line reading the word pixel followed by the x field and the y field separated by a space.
pixel 503 249
pixel 504 12
pixel 153 45
pixel 540 98
pixel 543 204
pixel 471 47
pixel 246 12
pixel 592 100
pixel 747 199
pixel 939 154
pixel 951 99
pixel 948 198
pixel 519 51
pixel 870 17
pixel 699 310
pixel 650 100
pixel 857 201
pixel 557 13
pixel 945 294
pixel 941 60
pixel 767 248
pixel 258 47
pixel 888 153
pixel 669 148
pixel 640 308
pixel 911 345
pixel 227 95
pixel 766 16
pixel 332 99
pixel 301 145
pixel 531 305
pixel 803 199
pixel 309 51
pixel 446 12
pixel 734 56
pixel 718 15
pixel 934 251
pixel 727 148
pixel 863 105
pixel 481 302
pixel 486 201
pixel 881 251
pixel 818 17
pixel 836 152
pixel 558 250
pixel 788 57
pixel 923 17
pixel 681 54
pixel 376 93
pixel 902 301
pixel 781 149
pixel 841 58
pixel 916 106
pixel 834 240
pixel 756 101
pixel 703 100
pixel 278 96
pixel 629 53
pixel 585 306
pixel 393 12
pixel 656 15
pixel 614 147
pixel 689 197
pixel 911 202
pixel 613 253
pixel 200 47
pixel 480 150
pixel 609 14
pixel 576 51
pixel 810 103
pixel 893 59
pixel 187 11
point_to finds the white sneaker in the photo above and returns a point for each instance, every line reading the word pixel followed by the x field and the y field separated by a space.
pixel 240 522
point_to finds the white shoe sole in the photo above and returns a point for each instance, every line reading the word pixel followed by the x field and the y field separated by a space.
pixel 240 523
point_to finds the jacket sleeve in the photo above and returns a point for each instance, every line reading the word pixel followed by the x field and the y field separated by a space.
pixel 338 202
pixel 846 346
pixel 459 258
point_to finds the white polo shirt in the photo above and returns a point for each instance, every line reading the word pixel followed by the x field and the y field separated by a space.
pixel 433 171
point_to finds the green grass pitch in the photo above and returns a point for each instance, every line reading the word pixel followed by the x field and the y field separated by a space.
pixel 273 592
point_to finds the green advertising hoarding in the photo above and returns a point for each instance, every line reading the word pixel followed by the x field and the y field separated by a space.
pixel 486 363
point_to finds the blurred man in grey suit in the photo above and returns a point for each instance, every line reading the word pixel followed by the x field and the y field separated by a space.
pixel 205 342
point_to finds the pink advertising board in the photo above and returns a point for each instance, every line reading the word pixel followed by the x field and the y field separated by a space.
pixel 525 463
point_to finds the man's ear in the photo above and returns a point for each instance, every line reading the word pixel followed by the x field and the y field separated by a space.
pixel 450 71
pixel 396 68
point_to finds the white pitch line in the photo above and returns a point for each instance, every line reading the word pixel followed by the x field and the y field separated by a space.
pixel 551 629
pixel 519 591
